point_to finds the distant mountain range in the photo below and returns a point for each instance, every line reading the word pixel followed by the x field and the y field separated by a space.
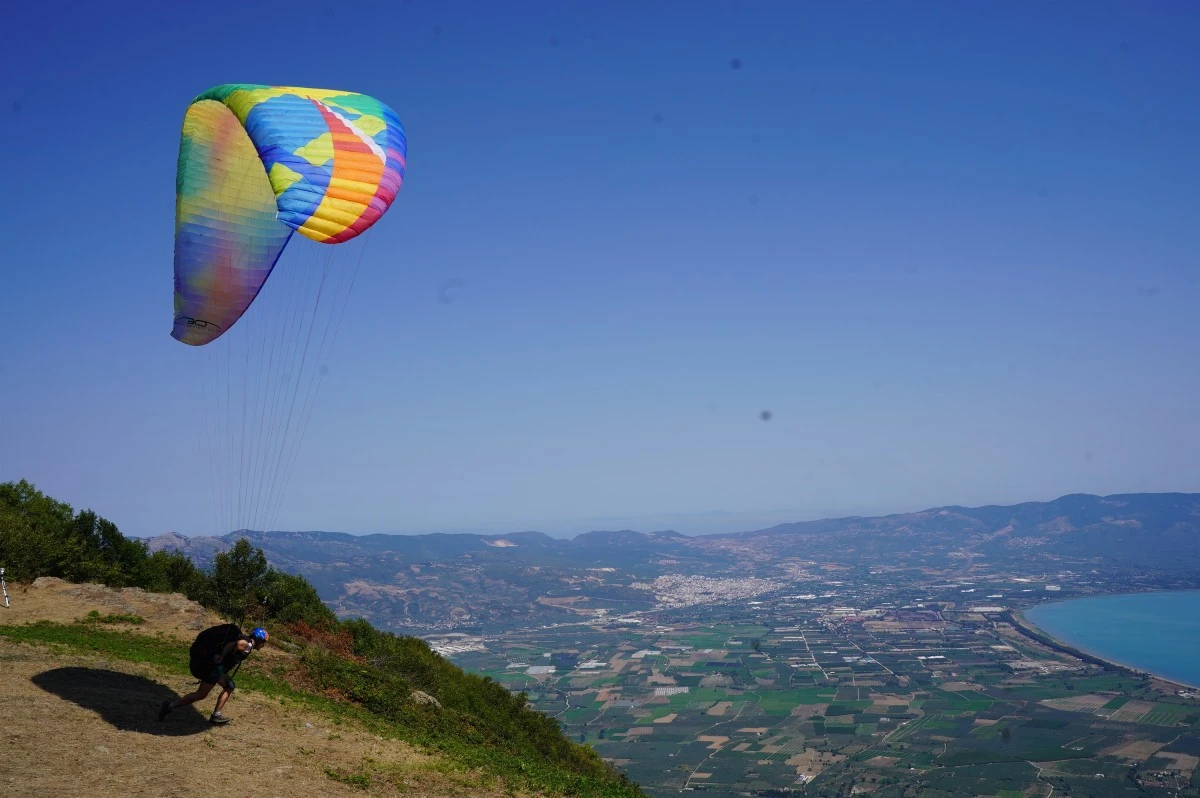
pixel 454 580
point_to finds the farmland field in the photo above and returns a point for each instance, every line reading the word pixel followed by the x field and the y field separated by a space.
pixel 824 707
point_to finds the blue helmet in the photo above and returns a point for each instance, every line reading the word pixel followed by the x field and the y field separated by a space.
pixel 260 635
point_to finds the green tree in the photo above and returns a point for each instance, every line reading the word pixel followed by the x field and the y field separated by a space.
pixel 174 572
pixel 34 532
pixel 238 578
pixel 100 553
pixel 289 598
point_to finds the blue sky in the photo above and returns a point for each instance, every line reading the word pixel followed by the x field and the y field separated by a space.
pixel 952 247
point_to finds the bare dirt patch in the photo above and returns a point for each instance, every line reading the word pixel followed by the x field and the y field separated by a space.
pixel 811 762
pixel 954 687
pixel 559 602
pixel 1183 763
pixel 901 626
pixel 51 599
pixel 1132 711
pixel 1136 751
pixel 1079 703
pixel 808 710
pixel 882 761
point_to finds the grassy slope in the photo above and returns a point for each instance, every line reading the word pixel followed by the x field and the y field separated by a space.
pixel 344 668
pixel 446 732
pixel 84 726
pixel 354 674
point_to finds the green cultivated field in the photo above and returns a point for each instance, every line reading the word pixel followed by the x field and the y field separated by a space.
pixel 968 724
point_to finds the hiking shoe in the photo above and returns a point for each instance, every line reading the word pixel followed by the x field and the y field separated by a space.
pixel 163 710
pixel 218 718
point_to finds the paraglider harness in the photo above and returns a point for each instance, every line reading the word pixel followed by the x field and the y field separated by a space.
pixel 202 655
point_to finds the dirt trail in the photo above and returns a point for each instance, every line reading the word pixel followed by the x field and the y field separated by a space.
pixel 86 726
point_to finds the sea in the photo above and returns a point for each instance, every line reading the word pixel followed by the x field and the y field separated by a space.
pixel 1155 632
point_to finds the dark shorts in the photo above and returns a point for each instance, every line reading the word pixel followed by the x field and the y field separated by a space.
pixel 206 672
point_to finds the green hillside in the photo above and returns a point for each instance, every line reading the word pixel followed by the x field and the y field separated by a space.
pixel 342 667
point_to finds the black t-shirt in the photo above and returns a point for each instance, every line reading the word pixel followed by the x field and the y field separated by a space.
pixel 212 641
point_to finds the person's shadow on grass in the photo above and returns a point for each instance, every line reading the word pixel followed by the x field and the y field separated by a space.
pixel 127 702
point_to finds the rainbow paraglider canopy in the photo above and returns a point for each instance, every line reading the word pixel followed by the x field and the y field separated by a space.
pixel 257 163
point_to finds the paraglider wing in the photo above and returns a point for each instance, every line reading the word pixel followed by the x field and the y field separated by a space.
pixel 227 238
pixel 259 162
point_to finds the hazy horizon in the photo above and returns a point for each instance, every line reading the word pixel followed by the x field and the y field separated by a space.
pixel 705 523
pixel 951 248
pixel 713 522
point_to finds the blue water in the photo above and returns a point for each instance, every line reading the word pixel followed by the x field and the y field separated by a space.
pixel 1155 632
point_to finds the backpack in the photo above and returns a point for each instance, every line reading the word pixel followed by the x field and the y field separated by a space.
pixel 211 641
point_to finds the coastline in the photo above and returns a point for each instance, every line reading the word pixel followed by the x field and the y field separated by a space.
pixel 1034 632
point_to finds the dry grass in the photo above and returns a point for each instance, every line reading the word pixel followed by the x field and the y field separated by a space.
pixel 1079 703
pixel 657 678
pixel 50 599
pixel 882 761
pixel 638 731
pixel 1136 751
pixel 811 762
pixel 715 742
